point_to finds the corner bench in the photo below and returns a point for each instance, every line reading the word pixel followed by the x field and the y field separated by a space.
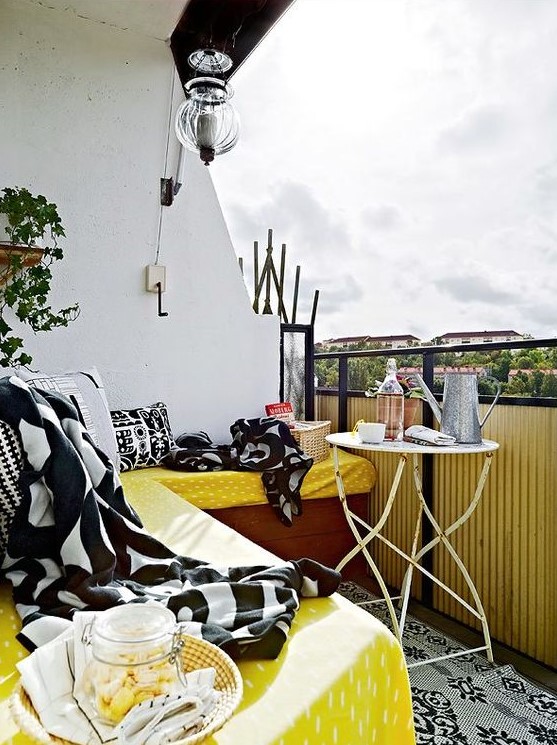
pixel 237 499
pixel 340 678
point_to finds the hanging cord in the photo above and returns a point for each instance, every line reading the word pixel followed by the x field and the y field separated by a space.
pixel 169 127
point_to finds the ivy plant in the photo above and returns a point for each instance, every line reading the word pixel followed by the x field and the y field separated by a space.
pixel 24 288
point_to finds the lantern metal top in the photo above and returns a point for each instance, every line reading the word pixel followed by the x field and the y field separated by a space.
pixel 209 61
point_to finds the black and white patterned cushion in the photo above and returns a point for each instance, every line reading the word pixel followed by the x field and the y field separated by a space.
pixel 143 436
pixel 11 463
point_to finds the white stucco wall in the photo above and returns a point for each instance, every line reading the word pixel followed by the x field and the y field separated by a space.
pixel 84 119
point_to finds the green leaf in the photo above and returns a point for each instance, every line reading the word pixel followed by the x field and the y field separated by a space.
pixel 24 289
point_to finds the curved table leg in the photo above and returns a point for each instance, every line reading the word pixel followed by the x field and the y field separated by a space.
pixel 361 543
pixel 407 581
pixel 442 537
pixel 415 556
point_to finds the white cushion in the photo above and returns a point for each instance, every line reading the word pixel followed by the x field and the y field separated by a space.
pixel 85 390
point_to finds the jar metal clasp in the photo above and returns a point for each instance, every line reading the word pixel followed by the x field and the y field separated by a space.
pixel 87 633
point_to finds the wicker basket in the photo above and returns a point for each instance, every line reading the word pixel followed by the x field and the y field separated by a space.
pixel 311 439
pixel 197 654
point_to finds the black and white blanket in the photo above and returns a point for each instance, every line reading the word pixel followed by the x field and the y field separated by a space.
pixel 264 445
pixel 75 543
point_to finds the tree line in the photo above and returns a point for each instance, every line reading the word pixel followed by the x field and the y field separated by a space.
pixel 531 380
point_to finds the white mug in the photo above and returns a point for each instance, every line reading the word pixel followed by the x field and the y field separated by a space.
pixel 371 432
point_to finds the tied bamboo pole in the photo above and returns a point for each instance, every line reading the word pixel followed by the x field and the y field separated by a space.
pixel 267 310
pixel 295 299
pixel 314 308
pixel 268 278
pixel 255 276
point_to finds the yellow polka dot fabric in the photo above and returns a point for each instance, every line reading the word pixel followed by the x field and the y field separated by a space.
pixel 339 680
pixel 11 652
pixel 341 677
pixel 218 489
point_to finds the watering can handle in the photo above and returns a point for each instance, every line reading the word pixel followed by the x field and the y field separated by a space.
pixel 488 412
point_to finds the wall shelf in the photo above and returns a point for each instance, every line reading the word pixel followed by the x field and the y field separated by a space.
pixel 31 257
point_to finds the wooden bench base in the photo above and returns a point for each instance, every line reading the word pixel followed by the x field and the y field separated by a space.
pixel 321 533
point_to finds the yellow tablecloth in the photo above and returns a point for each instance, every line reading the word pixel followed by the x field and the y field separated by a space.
pixel 340 679
pixel 218 489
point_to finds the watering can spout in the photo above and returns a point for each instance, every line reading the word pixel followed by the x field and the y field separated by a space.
pixel 430 398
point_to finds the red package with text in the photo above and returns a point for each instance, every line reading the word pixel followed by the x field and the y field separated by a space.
pixel 282 411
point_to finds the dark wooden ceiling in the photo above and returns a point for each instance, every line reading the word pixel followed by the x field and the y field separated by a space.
pixel 232 26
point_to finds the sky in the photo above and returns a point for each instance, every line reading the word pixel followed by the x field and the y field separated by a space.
pixel 405 151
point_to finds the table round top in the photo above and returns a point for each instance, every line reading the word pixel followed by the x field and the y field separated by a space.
pixel 352 440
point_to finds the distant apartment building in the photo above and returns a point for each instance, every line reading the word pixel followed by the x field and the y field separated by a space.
pixel 343 341
pixel 478 337
pixel 440 372
pixel 528 371
pixel 389 342
pixel 409 340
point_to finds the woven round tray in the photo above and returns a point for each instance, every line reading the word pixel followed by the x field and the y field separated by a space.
pixel 196 654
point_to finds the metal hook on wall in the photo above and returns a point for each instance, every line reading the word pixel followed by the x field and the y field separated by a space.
pixel 159 295
pixel 155 281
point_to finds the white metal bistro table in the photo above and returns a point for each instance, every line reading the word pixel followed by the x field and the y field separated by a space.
pixel 441 535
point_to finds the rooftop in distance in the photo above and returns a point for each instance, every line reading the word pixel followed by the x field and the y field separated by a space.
pixel 408 340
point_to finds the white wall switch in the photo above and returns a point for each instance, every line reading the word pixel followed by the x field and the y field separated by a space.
pixel 155 273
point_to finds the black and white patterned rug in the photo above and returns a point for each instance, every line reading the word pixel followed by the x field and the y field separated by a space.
pixel 467 700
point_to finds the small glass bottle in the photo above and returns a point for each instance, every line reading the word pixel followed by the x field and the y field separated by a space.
pixel 135 657
pixel 390 404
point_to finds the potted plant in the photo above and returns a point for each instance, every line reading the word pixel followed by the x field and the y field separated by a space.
pixel 29 230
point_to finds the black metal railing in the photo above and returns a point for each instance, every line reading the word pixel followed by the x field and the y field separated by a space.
pixel 297 368
pixel 427 354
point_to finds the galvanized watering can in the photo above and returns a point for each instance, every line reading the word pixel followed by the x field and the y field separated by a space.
pixel 459 415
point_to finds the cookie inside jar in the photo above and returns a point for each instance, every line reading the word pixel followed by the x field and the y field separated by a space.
pixel 135 650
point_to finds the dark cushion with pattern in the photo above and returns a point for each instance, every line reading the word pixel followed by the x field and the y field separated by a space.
pixel 143 436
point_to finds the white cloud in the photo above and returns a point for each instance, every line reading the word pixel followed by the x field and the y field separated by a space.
pixel 383 217
pixel 546 183
pixel 335 295
pixel 478 128
pixel 412 177
pixel 473 288
pixel 297 213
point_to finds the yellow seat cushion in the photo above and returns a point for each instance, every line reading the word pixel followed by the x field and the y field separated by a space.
pixel 340 679
pixel 219 489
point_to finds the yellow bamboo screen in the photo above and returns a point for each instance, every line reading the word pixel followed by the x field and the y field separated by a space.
pixel 509 545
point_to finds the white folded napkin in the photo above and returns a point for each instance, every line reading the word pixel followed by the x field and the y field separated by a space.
pixel 427 436
pixel 165 719
pixel 52 676
pixel 48 678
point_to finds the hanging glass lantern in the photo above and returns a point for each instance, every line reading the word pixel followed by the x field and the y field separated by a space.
pixel 206 122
